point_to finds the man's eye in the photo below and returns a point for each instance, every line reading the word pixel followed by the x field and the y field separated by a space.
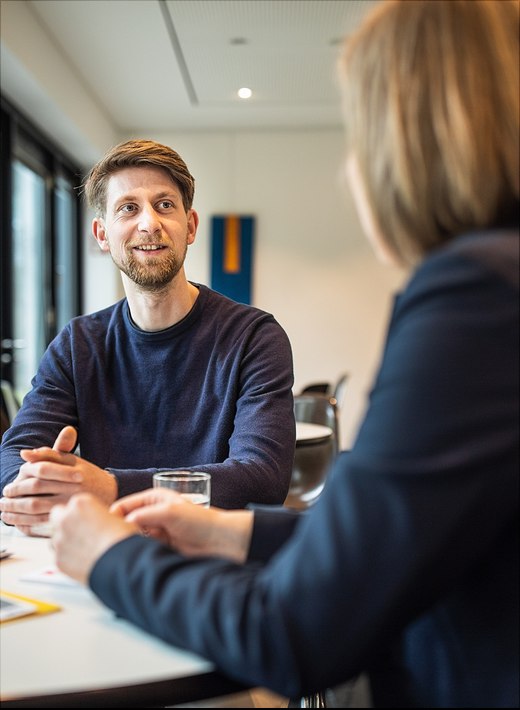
pixel 166 204
pixel 127 208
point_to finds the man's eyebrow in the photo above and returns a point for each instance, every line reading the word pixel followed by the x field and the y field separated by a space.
pixel 168 193
pixel 130 197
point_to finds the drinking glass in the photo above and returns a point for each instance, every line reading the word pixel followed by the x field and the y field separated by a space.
pixel 195 486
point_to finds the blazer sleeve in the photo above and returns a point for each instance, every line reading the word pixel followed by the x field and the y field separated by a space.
pixel 408 521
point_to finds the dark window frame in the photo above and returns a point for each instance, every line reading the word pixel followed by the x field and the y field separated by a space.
pixel 21 140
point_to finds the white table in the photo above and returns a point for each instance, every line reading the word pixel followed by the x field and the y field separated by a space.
pixel 307 433
pixel 83 655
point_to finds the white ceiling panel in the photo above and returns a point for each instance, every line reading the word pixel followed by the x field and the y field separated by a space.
pixel 156 65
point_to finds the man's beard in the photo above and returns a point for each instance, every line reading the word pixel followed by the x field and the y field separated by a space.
pixel 153 276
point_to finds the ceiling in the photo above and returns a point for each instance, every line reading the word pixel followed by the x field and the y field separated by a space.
pixel 160 65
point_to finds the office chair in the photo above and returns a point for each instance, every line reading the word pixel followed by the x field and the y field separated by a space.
pixel 339 389
pixel 10 404
pixel 4 421
pixel 323 387
pixel 316 700
pixel 318 408
pixel 311 465
pixel 312 459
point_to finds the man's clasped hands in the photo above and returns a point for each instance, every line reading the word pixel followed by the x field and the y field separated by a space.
pixel 79 500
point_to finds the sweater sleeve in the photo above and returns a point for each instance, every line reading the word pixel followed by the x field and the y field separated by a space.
pixel 46 409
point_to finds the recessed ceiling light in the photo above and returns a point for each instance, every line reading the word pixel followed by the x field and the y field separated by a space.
pixel 245 93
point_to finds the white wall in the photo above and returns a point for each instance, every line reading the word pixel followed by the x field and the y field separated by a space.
pixel 313 268
pixel 36 76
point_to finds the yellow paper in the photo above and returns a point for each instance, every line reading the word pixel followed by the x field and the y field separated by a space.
pixel 40 607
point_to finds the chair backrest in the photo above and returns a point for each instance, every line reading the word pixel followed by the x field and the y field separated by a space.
pixel 312 460
pixel 4 422
pixel 310 468
pixel 339 389
pixel 323 387
pixel 10 404
pixel 318 408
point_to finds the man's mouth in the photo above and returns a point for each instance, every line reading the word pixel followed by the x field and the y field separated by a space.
pixel 149 247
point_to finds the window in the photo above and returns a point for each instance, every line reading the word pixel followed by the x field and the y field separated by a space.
pixel 40 228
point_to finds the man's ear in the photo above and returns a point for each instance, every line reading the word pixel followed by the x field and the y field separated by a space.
pixel 99 232
pixel 193 223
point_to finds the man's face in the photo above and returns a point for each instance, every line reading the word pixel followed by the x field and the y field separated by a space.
pixel 145 229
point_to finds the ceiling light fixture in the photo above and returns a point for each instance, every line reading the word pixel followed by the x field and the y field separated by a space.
pixel 245 93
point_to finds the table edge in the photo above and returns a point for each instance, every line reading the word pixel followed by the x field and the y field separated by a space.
pixel 161 693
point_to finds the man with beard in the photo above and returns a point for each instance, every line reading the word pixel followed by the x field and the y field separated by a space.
pixel 174 375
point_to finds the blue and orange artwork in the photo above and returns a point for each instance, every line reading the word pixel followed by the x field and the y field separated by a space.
pixel 232 238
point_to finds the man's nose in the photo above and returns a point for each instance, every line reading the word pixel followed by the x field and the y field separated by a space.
pixel 149 220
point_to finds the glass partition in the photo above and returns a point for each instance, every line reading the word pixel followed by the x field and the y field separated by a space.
pixel 40 262
pixel 29 294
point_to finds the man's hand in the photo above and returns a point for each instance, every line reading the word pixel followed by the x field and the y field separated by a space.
pixel 49 477
pixel 191 529
pixel 83 530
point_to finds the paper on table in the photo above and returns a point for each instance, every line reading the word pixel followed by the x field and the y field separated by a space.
pixel 14 606
pixel 50 575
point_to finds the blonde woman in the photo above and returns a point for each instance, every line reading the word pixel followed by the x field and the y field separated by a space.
pixel 407 566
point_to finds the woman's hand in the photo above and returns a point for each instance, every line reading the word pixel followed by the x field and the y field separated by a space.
pixel 83 530
pixel 191 529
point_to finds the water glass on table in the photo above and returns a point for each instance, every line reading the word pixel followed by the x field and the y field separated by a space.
pixel 195 486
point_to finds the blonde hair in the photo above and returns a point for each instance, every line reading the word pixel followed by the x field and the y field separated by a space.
pixel 432 116
pixel 136 153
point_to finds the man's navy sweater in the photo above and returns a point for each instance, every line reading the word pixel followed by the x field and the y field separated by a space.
pixel 211 393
